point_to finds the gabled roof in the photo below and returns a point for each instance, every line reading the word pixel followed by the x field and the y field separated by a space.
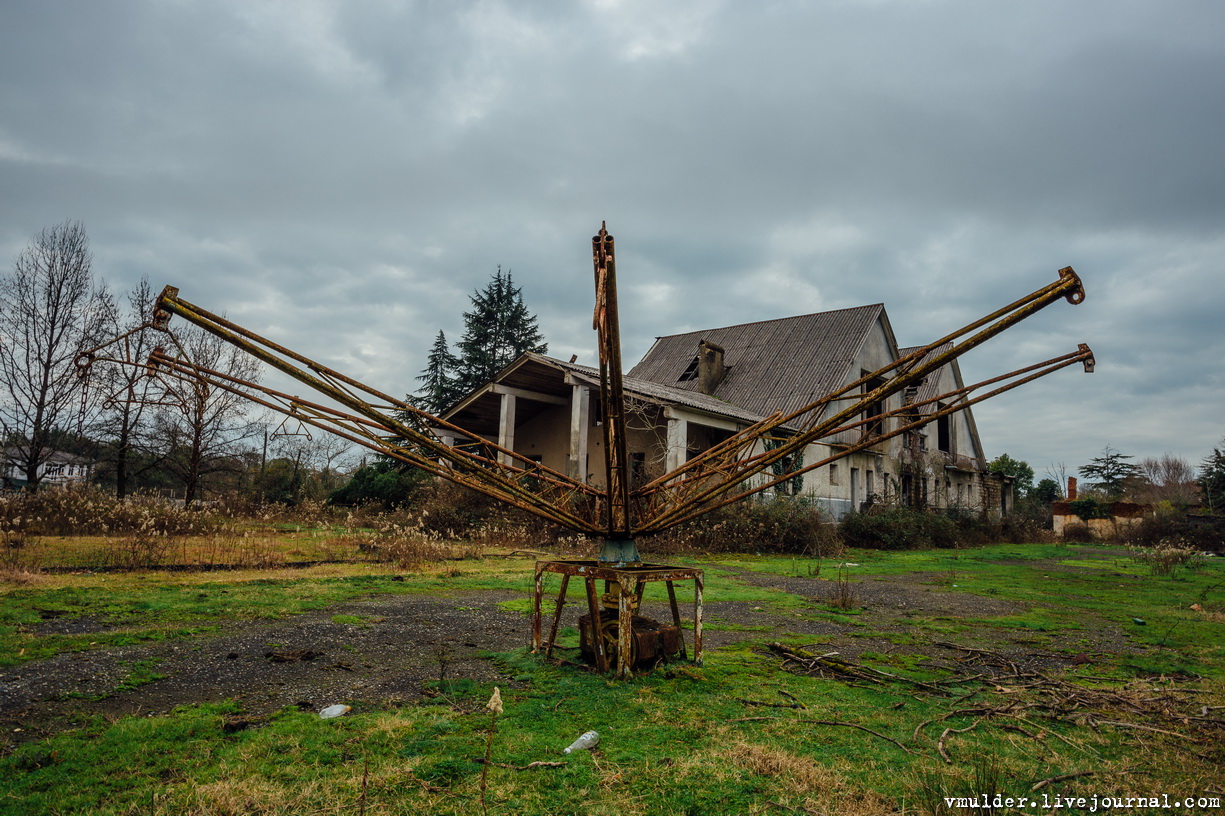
pixel 17 454
pixel 773 365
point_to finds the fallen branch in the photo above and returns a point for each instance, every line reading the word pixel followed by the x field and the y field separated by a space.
pixel 1061 778
pixel 770 705
pixel 830 662
pixel 826 722
pixel 801 702
pixel 527 767
pixel 947 731
pixel 1057 736
pixel 530 765
pixel 1146 728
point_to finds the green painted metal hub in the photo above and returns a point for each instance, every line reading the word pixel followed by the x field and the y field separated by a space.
pixel 620 552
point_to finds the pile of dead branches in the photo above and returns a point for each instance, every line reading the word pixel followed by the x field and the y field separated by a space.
pixel 988 687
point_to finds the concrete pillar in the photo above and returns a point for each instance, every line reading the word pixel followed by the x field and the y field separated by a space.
pixel 580 420
pixel 506 427
pixel 678 443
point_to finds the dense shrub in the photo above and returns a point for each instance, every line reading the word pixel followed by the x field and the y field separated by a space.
pixel 1090 508
pixel 1017 529
pixel 383 484
pixel 904 528
pixel 1197 533
pixel 780 525
pixel 90 511
pixel 1077 533
pixel 897 528
pixel 975 529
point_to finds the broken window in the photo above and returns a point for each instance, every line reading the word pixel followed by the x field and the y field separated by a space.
pixel 877 408
pixel 638 469
pixel 944 434
pixel 690 373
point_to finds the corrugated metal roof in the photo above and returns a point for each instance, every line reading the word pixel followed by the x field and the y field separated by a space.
pixel 773 365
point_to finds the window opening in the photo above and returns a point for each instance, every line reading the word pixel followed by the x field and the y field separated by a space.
pixel 944 435
pixel 690 373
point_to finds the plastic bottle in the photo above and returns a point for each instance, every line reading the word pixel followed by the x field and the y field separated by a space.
pixel 334 711
pixel 587 741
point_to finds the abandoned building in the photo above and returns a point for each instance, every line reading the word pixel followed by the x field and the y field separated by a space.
pixel 693 390
pixel 58 470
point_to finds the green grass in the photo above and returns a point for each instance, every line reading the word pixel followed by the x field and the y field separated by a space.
pixel 724 737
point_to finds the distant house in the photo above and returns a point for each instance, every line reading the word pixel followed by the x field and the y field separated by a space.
pixel 1110 519
pixel 695 389
pixel 59 469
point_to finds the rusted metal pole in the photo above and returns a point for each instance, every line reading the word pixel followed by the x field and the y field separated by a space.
pixel 612 396
pixel 698 584
pixel 627 590
pixel 537 601
pixel 561 602
pixel 597 625
pixel 676 617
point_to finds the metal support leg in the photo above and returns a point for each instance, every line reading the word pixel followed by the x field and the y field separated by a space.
pixel 625 626
pixel 561 601
pixel 697 619
pixel 597 626
pixel 676 618
pixel 536 601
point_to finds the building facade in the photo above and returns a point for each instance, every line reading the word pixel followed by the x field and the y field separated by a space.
pixel 60 469
pixel 693 390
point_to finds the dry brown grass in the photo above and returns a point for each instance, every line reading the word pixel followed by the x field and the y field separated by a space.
pixel 803 779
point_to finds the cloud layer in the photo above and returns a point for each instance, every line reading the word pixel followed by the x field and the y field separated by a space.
pixel 341 176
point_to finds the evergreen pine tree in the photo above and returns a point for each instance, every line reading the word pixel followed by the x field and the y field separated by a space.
pixel 439 386
pixel 1211 480
pixel 1110 472
pixel 497 330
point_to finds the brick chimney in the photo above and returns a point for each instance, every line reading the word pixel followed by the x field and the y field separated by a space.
pixel 711 369
pixel 1071 488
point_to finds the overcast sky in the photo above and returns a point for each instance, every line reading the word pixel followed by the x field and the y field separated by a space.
pixel 341 176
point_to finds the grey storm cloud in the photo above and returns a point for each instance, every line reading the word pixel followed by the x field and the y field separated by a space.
pixel 341 176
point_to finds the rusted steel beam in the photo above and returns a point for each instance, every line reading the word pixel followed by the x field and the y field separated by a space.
pixel 561 602
pixel 502 482
pixel 537 601
pixel 627 586
pixel 606 322
pixel 597 625
pixel 714 477
pixel 911 368
pixel 676 615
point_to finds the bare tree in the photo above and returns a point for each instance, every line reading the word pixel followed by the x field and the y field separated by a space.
pixel 1167 478
pixel 200 436
pixel 302 465
pixel 125 413
pixel 1058 472
pixel 50 310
